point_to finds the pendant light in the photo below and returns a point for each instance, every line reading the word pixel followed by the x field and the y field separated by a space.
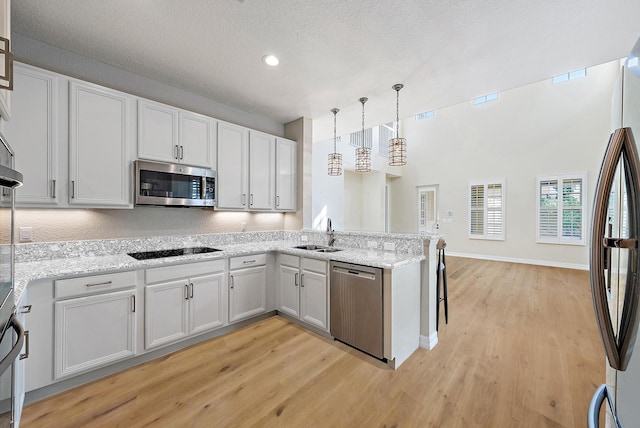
pixel 397 146
pixel 363 154
pixel 335 158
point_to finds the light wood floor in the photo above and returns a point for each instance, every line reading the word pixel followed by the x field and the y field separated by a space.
pixel 521 350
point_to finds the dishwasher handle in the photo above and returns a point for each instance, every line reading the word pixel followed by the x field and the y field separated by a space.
pixel 354 272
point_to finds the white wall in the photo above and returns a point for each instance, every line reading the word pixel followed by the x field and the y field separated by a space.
pixel 536 129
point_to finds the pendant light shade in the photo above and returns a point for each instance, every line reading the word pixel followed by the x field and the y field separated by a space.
pixel 363 154
pixel 335 159
pixel 397 145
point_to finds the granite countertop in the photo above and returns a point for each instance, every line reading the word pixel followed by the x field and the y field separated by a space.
pixel 77 266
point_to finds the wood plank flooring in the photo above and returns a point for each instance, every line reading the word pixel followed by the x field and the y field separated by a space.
pixel 521 350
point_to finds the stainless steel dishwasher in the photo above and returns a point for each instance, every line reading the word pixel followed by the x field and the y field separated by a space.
pixel 356 307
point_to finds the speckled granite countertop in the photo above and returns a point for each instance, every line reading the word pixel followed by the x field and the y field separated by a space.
pixel 77 266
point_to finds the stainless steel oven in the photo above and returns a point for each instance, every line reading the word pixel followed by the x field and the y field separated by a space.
pixel 174 185
pixel 11 332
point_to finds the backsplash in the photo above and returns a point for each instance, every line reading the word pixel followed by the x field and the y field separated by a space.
pixel 401 243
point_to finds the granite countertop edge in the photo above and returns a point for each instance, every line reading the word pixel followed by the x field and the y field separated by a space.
pixel 26 272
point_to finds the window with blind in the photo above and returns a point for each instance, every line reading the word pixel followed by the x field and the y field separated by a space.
pixel 561 209
pixel 486 209
pixel 427 209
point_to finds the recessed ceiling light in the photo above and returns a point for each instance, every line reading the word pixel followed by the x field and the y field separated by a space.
pixel 271 60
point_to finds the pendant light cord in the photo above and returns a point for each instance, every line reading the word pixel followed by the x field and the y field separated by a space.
pixel 397 113
pixel 363 100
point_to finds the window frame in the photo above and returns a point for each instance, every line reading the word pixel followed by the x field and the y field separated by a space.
pixel 485 209
pixel 429 224
pixel 559 238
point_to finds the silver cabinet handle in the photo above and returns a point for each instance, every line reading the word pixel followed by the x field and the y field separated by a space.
pixel 98 284
pixel 73 189
pixel 243 198
pixel 53 189
pixel 618 345
pixel 251 199
pixel 277 201
pixel 191 285
pixel 186 291
pixel 26 309
pixel 175 152
pixel 246 262
pixel 26 346
pixel 133 303
pixel 295 281
pixel 232 282
pixel 302 280
pixel 181 152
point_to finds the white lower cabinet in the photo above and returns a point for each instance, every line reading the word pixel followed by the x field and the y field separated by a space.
pixel 247 287
pixel 304 290
pixel 93 331
pixel 178 308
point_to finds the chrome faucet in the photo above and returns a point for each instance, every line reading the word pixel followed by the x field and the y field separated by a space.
pixel 332 239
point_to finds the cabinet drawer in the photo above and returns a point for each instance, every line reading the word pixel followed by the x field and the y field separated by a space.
pixel 247 261
pixel 187 270
pixel 289 260
pixel 93 284
pixel 314 265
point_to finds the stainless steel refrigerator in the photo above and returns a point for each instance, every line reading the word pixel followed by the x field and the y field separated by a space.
pixel 615 256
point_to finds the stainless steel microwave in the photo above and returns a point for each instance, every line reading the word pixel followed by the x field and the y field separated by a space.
pixel 174 185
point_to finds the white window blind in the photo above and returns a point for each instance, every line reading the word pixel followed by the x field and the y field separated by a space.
pixel 561 209
pixel 486 209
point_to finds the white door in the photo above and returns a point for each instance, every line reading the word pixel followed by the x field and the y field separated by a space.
pixel 93 331
pixel 205 303
pixel 232 166
pixel 32 133
pixel 165 318
pixel 427 208
pixel 247 293
pixel 313 299
pixel 261 171
pixel 157 132
pixel 289 291
pixel 197 139
pixel 286 174
pixel 99 144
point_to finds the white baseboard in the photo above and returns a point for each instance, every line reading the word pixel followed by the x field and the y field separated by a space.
pixel 429 342
pixel 524 261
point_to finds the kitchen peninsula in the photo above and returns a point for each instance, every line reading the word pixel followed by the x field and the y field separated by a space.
pixel 68 284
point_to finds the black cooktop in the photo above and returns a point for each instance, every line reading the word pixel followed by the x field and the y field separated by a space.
pixel 145 255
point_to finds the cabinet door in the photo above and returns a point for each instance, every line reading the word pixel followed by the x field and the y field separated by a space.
pixel 93 331
pixel 247 293
pixel 286 174
pixel 197 139
pixel 32 132
pixel 205 303
pixel 261 171
pixel 19 387
pixel 289 291
pixel 99 143
pixel 157 132
pixel 313 299
pixel 232 166
pixel 165 319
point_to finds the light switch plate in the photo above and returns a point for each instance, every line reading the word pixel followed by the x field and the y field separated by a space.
pixel 26 233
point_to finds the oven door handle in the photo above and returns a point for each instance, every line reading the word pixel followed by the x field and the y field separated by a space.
pixel 13 354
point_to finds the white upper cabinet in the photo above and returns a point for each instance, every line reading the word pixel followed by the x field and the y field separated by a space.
pixel 261 171
pixel 286 174
pixel 32 133
pixel 169 134
pixel 233 162
pixel 5 31
pixel 101 130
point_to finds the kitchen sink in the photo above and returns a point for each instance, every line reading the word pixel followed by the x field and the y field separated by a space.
pixel 317 248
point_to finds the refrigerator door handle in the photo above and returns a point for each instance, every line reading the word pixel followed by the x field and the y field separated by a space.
pixel 618 347
pixel 593 417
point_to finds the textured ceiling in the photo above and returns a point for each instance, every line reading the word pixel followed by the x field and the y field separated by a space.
pixel 332 52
